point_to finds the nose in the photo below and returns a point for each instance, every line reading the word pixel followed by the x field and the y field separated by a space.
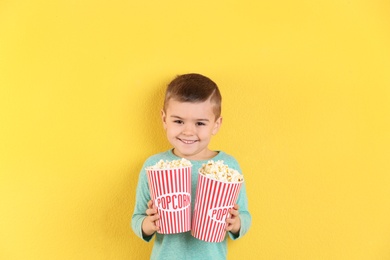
pixel 188 129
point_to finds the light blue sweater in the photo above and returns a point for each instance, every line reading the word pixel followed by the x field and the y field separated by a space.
pixel 184 245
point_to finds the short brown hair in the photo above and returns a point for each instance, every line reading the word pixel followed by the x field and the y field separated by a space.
pixel 194 88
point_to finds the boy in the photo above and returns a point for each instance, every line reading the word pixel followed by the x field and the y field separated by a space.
pixel 191 116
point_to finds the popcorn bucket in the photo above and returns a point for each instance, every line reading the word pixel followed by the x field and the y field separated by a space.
pixel 170 190
pixel 214 198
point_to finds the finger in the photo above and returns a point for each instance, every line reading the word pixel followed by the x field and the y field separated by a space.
pixel 151 212
pixel 154 218
pixel 230 221
pixel 154 227
pixel 236 207
pixel 233 213
pixel 157 228
pixel 229 227
pixel 150 204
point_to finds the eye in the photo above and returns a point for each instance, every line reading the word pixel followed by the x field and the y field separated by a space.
pixel 200 123
pixel 178 122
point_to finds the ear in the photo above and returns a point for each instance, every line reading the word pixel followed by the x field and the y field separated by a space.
pixel 217 125
pixel 164 119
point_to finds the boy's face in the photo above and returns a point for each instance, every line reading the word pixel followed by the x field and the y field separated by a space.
pixel 189 128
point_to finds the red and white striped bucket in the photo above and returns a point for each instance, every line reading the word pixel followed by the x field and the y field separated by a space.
pixel 212 203
pixel 170 190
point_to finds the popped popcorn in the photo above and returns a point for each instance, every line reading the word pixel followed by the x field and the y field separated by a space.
pixel 170 164
pixel 220 171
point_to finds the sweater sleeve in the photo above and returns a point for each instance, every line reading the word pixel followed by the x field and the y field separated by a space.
pixel 141 201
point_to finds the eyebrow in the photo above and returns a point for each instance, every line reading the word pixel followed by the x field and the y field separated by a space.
pixel 200 119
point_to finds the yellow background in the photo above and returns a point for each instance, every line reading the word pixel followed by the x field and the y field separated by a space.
pixel 306 106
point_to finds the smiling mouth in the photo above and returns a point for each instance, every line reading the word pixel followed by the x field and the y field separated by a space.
pixel 188 141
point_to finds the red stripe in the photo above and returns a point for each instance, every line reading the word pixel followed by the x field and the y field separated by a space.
pixel 170 227
pixel 198 198
pixel 208 220
pixel 155 191
pixel 168 190
pixel 189 187
pixel 214 200
pixel 164 221
pixel 183 176
pixel 202 203
pixel 203 206
pixel 178 214
pixel 162 186
pixel 224 192
pixel 209 199
pixel 188 210
pixel 198 203
pixel 225 202
pixel 161 221
pixel 182 223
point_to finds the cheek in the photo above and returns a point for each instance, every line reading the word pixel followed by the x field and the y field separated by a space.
pixel 206 134
pixel 172 129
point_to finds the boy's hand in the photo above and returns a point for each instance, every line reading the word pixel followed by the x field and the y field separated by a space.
pixel 149 225
pixel 234 222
